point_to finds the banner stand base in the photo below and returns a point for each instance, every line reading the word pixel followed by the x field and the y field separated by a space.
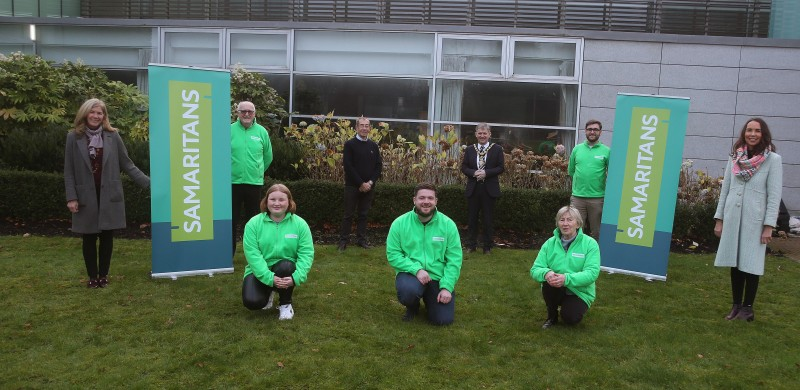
pixel 176 275
pixel 647 277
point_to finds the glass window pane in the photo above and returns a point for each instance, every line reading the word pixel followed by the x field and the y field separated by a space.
pixel 192 48
pixel 351 52
pixel 16 37
pixel 127 47
pixel 472 55
pixel 352 96
pixel 539 141
pixel 259 50
pixel 506 102
pixel 544 58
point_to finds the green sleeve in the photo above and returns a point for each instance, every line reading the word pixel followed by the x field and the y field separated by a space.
pixel 305 253
pixel 453 259
pixel 252 252
pixel 541 265
pixel 571 166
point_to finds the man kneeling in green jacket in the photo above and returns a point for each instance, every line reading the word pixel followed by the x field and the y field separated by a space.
pixel 424 248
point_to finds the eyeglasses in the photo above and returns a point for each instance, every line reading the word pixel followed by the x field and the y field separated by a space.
pixel 246 112
pixel 593 129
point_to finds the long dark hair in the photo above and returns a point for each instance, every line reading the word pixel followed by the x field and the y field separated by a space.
pixel 766 139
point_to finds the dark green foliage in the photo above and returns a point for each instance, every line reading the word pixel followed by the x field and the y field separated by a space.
pixel 38 149
pixel 285 152
pixel 40 196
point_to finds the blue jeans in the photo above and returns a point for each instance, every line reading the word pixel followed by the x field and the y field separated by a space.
pixel 410 290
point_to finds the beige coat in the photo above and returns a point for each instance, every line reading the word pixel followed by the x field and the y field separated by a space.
pixel 745 207
pixel 79 183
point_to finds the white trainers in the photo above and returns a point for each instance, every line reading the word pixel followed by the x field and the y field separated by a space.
pixel 287 312
pixel 270 301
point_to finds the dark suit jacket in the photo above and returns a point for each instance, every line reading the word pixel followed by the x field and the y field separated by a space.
pixel 495 165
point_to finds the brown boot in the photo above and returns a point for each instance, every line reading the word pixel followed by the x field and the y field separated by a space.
pixel 746 314
pixel 734 311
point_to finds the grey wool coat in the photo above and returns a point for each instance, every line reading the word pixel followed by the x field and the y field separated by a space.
pixel 79 183
pixel 745 207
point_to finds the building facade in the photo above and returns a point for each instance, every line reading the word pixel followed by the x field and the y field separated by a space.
pixel 535 70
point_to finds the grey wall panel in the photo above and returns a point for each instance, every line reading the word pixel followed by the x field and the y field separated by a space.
pixel 604 115
pixel 706 55
pixel 767 104
pixel 630 74
pixel 705 101
pixel 696 147
pixel 699 77
pixel 622 51
pixel 710 125
pixel 782 128
pixel 769 80
pixel 771 57
pixel 606 95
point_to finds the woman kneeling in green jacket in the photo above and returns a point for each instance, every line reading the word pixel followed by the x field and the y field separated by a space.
pixel 279 251
pixel 567 266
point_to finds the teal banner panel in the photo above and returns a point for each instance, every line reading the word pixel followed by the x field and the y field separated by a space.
pixel 642 185
pixel 190 170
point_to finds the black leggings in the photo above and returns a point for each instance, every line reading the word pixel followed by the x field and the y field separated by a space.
pixel 572 307
pixel 745 284
pixel 90 253
pixel 255 294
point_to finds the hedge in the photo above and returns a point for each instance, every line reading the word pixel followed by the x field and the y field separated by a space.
pixel 36 196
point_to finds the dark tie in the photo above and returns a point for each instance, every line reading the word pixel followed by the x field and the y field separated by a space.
pixel 481 158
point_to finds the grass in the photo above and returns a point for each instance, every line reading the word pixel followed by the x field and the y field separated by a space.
pixel 194 332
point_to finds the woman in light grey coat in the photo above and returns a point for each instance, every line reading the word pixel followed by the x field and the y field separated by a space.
pixel 747 213
pixel 93 157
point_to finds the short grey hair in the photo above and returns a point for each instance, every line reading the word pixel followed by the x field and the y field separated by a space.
pixel 573 212
pixel 483 126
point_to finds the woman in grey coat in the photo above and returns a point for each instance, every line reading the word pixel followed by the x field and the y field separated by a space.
pixel 93 157
pixel 747 213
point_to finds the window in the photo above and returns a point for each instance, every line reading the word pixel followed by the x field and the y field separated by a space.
pixel 260 50
pixel 199 48
pixel 544 58
pixel 476 55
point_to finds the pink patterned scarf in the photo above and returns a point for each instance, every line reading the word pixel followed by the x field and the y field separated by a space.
pixel 745 167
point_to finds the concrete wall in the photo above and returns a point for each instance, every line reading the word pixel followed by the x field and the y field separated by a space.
pixel 726 83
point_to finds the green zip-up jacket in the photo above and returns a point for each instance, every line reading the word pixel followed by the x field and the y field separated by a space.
pixel 251 153
pixel 588 166
pixel 580 264
pixel 434 247
pixel 267 242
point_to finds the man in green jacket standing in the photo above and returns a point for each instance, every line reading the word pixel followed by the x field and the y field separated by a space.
pixel 251 154
pixel 424 248
pixel 588 166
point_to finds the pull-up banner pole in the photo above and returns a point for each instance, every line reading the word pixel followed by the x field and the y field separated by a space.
pixel 642 185
pixel 190 171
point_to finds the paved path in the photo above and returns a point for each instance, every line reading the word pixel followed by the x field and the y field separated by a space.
pixel 789 246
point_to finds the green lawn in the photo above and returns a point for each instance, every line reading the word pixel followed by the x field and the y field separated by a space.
pixel 194 332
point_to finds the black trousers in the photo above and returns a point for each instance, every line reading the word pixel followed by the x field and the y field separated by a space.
pixel 246 195
pixel 743 284
pixel 355 201
pixel 90 253
pixel 480 202
pixel 572 307
pixel 256 294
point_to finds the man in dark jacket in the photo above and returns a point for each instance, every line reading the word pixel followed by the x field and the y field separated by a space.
pixel 362 168
pixel 483 163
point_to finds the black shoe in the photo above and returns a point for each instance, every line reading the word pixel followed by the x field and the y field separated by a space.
pixel 364 245
pixel 410 314
pixel 342 247
pixel 550 323
pixel 746 314
pixel 487 251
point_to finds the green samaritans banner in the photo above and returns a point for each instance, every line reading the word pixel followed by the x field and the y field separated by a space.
pixel 190 166
pixel 642 185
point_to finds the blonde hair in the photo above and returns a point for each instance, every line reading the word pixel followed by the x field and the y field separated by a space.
pixel 573 212
pixel 278 188
pixel 83 113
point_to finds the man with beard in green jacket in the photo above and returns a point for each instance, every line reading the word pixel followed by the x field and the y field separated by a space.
pixel 424 248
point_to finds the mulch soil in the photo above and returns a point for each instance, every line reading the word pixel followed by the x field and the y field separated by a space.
pixel 325 235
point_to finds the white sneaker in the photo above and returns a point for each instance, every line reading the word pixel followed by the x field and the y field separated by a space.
pixel 270 301
pixel 287 312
